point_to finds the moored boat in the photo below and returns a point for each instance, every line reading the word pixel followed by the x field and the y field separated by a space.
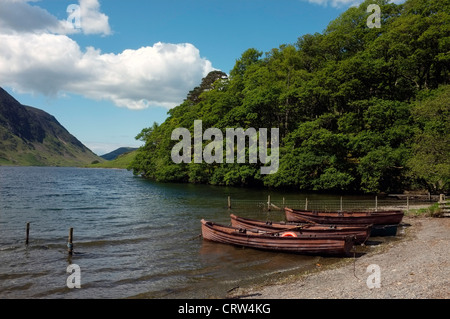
pixel 346 218
pixel 359 232
pixel 284 241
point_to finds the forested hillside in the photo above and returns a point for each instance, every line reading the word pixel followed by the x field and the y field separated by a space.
pixel 359 109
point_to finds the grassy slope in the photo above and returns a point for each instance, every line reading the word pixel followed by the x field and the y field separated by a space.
pixel 32 137
pixel 122 162
pixel 16 152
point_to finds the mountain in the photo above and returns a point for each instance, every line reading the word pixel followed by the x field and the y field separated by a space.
pixel 32 137
pixel 115 154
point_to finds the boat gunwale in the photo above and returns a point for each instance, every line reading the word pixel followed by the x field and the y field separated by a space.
pixel 360 232
pixel 299 225
pixel 356 218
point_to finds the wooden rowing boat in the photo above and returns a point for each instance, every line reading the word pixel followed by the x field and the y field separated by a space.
pixel 280 241
pixel 360 232
pixel 347 218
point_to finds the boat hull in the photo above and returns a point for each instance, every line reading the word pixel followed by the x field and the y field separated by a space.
pixel 348 218
pixel 384 230
pixel 359 232
pixel 275 242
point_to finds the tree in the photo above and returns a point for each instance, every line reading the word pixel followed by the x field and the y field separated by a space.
pixel 359 109
pixel 206 85
pixel 430 163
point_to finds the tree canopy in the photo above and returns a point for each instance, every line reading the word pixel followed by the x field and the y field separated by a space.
pixel 359 109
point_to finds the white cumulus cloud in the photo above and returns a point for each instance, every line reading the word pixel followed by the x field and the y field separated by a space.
pixel 90 19
pixel 40 57
pixel 23 16
pixel 161 74
pixel 20 16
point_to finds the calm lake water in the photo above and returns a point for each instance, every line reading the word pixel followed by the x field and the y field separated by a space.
pixel 132 238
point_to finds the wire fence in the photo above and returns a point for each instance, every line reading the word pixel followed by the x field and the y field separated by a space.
pixel 340 204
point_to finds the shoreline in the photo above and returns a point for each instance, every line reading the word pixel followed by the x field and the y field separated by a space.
pixel 416 266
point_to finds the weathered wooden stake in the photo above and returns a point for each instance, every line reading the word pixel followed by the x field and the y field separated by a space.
pixel 28 234
pixel 268 202
pixel 407 203
pixel 284 201
pixel 229 202
pixel 70 243
pixel 376 203
pixel 341 204
pixel 306 204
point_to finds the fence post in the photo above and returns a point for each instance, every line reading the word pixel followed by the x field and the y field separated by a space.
pixel 28 234
pixel 407 204
pixel 70 243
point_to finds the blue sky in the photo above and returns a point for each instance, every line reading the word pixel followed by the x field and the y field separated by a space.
pixel 131 61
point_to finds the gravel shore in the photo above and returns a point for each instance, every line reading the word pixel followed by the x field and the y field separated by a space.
pixel 415 267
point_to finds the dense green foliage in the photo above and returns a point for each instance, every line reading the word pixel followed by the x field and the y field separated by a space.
pixel 359 109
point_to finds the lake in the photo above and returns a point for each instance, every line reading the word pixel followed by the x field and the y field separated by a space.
pixel 133 238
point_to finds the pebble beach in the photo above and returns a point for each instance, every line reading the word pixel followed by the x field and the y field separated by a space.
pixel 415 267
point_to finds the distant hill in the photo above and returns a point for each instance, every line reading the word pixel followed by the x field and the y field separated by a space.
pixel 123 161
pixel 32 137
pixel 115 154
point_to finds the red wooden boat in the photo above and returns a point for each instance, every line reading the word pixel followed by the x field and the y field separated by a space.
pixel 347 218
pixel 359 232
pixel 284 241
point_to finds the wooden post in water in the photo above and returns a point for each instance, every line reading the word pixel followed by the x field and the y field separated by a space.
pixel 341 205
pixel 70 243
pixel 306 204
pixel 284 202
pixel 229 202
pixel 268 203
pixel 28 234
pixel 376 203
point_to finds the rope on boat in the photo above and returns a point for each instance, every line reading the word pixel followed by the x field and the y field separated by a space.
pixel 354 263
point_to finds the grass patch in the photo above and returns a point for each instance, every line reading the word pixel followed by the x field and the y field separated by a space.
pixel 430 211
